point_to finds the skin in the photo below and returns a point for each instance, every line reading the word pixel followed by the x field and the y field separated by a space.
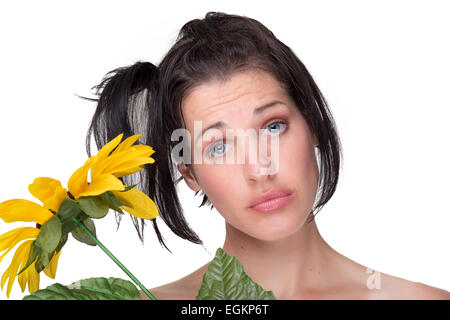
pixel 278 249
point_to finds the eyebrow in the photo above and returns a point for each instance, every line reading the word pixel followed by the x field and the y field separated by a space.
pixel 256 111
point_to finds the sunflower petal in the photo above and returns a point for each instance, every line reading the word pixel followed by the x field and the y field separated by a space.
pixel 102 184
pixel 30 276
pixel 119 174
pixel 23 277
pixel 107 165
pixel 53 202
pixel 18 258
pixel 144 147
pixel 10 239
pixel 77 183
pixel 33 278
pixel 7 237
pixel 129 165
pixel 143 150
pixel 51 270
pixel 127 143
pixel 143 206
pixel 23 210
pixel 43 187
pixel 107 148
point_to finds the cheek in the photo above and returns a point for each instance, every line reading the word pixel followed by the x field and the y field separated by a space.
pixel 217 183
pixel 297 154
pixel 297 159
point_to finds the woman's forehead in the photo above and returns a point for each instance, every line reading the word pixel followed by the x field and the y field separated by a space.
pixel 244 90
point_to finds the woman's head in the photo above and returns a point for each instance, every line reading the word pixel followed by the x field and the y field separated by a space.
pixel 221 68
pixel 231 185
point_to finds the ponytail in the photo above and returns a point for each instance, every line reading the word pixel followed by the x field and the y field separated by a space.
pixel 127 104
pixel 144 99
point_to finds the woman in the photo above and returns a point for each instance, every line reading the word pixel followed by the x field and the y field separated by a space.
pixel 231 74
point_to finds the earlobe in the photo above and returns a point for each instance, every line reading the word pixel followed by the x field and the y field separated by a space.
pixel 188 176
pixel 315 140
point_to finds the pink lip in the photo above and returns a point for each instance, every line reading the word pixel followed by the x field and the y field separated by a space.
pixel 272 200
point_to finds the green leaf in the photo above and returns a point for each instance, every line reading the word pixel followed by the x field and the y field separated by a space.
pixel 43 260
pixel 54 292
pixel 225 279
pixel 68 210
pixel 95 206
pixel 44 257
pixel 61 243
pixel 81 236
pixel 89 289
pixel 112 201
pixel 50 235
pixel 39 266
pixel 32 256
pixel 128 188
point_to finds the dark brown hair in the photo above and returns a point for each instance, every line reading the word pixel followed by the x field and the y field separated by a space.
pixel 143 98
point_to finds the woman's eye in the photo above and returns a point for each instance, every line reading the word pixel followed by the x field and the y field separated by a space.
pixel 218 149
pixel 276 124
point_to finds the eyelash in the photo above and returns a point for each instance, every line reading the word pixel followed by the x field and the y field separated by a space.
pixel 211 148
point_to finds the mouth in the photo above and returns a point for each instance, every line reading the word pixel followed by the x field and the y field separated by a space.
pixel 272 200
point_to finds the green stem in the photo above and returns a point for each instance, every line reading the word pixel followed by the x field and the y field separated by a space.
pixel 94 238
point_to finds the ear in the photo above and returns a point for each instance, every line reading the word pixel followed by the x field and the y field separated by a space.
pixel 315 140
pixel 188 176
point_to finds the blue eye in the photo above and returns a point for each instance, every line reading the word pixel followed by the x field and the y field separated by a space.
pixel 221 146
pixel 275 123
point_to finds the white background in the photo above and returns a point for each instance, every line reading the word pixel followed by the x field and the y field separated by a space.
pixel 383 67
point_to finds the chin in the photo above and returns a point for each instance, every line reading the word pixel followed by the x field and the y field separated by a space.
pixel 278 228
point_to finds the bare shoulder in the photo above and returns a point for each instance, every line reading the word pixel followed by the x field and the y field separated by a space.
pixel 369 284
pixel 426 292
pixel 185 288
pixel 395 288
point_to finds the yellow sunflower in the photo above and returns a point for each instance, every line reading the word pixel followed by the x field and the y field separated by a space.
pixel 27 211
pixel 105 169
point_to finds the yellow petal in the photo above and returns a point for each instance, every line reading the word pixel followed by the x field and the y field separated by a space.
pixel 33 278
pixel 43 187
pixel 30 276
pixel 23 279
pixel 78 183
pixel 14 233
pixel 23 210
pixel 149 149
pixel 107 148
pixel 51 270
pixel 53 202
pixel 143 206
pixel 24 276
pixel 129 165
pixel 127 143
pixel 107 165
pixel 102 184
pixel 18 258
pixel 119 174
pixel 49 191
pixel 10 239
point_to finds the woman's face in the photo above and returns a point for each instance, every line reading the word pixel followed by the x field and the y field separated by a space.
pixel 231 185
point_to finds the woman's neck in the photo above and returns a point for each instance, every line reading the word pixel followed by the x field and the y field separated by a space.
pixel 301 263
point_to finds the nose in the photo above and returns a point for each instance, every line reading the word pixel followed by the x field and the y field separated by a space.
pixel 261 157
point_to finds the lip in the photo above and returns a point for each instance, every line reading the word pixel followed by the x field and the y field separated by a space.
pixel 271 200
